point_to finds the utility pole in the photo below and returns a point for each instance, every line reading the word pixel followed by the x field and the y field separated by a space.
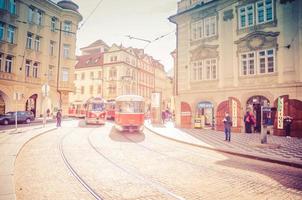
pixel 59 62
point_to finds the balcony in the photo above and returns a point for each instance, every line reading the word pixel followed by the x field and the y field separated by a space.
pixel 32 80
pixel 7 76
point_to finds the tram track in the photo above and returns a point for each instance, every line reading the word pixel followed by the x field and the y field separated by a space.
pixel 149 182
pixel 71 169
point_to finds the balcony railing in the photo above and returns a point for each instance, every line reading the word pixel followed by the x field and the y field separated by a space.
pixel 7 76
pixel 33 80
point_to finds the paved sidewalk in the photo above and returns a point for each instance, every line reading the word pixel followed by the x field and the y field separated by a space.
pixel 281 150
pixel 11 143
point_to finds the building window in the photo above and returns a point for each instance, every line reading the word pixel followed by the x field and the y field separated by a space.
pixel 91 75
pixel 1 31
pixel 37 43
pixel 99 90
pixel 2 4
pixel 204 28
pixel 258 13
pixel 12 6
pixel 66 49
pixel 65 74
pixel 8 64
pixel 112 73
pixel 35 69
pixel 248 63
pixel 53 24
pixel 27 68
pixel 67 28
pixel 29 40
pixel 264 11
pixel 39 18
pixel 83 76
pixel 204 70
pixel 30 16
pixel 113 58
pixel 82 89
pixel 51 48
pixel 50 73
pixel 100 75
pixel 91 89
pixel 265 60
pixel 10 34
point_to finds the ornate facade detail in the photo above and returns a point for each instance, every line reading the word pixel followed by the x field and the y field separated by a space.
pixel 228 15
pixel 204 51
pixel 257 40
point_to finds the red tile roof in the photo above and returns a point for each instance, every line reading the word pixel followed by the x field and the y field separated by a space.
pixel 93 60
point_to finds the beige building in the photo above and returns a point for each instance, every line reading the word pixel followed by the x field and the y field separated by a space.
pixel 37 46
pixel 239 55
pixel 117 70
pixel 88 75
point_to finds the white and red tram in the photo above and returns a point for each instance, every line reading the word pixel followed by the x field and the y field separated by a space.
pixel 129 113
pixel 95 111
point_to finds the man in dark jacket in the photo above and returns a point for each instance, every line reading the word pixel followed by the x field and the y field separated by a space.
pixel 227 126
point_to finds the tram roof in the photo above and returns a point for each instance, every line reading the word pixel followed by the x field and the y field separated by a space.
pixel 129 98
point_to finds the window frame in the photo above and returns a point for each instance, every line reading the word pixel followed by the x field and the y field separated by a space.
pixel 8 68
pixel 11 34
pixel 27 68
pixel 2 28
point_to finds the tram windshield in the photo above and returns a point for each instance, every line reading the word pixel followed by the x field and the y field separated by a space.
pixel 97 107
pixel 130 107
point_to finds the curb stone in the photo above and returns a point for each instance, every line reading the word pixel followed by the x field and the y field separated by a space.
pixel 250 156
pixel 8 192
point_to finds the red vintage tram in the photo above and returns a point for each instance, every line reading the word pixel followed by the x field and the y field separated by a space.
pixel 77 109
pixel 110 109
pixel 129 113
pixel 95 111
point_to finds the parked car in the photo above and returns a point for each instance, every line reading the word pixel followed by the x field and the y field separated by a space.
pixel 22 117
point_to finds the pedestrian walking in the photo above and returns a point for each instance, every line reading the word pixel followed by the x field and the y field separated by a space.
pixel 163 116
pixel 48 112
pixel 248 122
pixel 227 126
pixel 59 118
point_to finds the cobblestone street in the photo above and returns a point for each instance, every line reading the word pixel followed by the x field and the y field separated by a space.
pixel 143 166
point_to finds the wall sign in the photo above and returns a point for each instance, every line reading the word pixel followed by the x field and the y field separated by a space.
pixel 280 112
pixel 234 113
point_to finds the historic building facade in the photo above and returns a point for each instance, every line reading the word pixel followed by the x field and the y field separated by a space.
pixel 113 71
pixel 238 55
pixel 37 47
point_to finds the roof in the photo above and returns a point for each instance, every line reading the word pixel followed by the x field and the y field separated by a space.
pixel 129 98
pixel 96 44
pixel 93 60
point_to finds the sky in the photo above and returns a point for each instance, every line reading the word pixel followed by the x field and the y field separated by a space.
pixel 114 19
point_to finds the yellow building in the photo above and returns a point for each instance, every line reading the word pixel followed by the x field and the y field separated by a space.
pixel 37 47
pixel 236 56
pixel 117 70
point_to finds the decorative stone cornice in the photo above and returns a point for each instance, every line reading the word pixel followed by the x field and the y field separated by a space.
pixel 228 15
pixel 257 40
pixel 204 51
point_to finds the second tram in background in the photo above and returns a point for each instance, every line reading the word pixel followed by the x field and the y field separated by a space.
pixel 110 108
pixel 95 111
pixel 129 113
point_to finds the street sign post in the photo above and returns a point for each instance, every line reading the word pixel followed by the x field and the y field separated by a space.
pixel 45 91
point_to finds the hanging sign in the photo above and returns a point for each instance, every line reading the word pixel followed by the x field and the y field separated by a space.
pixel 234 113
pixel 280 112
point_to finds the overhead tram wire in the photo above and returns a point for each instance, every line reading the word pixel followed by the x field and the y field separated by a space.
pixel 90 14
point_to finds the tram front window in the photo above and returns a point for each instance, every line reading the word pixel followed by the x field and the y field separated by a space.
pixel 130 107
pixel 97 107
